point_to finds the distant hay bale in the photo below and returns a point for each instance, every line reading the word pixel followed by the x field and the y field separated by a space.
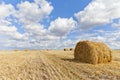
pixel 92 52
pixel 71 49
pixel 65 49
pixel 16 50
pixel 26 50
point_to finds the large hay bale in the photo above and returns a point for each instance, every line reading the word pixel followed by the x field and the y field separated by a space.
pixel 65 49
pixel 92 52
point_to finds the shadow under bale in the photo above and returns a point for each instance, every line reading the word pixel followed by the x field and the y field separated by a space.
pixel 70 60
pixel 92 52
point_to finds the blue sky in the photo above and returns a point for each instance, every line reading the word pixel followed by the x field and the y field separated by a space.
pixel 55 24
pixel 67 9
pixel 61 8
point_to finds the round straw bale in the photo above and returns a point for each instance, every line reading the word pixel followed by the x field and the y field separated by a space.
pixel 47 49
pixel 16 50
pixel 65 49
pixel 26 50
pixel 71 49
pixel 92 52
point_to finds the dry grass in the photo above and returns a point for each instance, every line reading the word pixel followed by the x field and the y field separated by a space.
pixel 54 65
pixel 92 52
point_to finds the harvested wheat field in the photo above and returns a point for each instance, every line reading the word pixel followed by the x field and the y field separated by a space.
pixel 54 65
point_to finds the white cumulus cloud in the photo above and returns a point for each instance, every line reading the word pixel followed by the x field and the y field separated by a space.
pixel 62 26
pixel 6 10
pixel 33 12
pixel 11 33
pixel 98 12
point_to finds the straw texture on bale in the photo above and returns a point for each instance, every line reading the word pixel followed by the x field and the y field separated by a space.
pixel 65 49
pixel 92 52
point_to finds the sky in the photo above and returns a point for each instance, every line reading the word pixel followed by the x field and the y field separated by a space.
pixel 58 24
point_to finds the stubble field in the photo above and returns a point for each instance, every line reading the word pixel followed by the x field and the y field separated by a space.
pixel 54 65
